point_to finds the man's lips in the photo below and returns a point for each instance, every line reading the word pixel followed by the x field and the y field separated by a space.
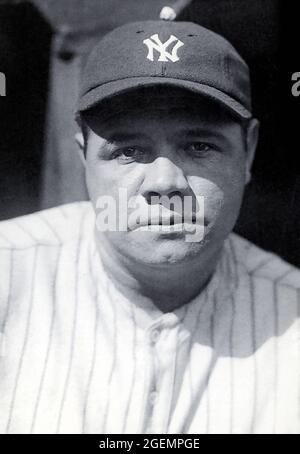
pixel 165 221
pixel 168 220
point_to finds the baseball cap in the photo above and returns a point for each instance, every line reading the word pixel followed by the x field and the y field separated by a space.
pixel 166 53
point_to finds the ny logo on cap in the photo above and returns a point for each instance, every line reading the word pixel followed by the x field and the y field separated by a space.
pixel 154 43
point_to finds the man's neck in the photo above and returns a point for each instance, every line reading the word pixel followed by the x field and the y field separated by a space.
pixel 167 287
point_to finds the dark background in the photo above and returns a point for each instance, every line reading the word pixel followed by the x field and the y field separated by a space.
pixel 264 32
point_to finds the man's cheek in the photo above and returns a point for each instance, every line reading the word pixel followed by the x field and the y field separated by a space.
pixel 224 204
pixel 213 196
pixel 98 183
pixel 214 202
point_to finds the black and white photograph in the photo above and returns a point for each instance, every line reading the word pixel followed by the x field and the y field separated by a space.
pixel 149 220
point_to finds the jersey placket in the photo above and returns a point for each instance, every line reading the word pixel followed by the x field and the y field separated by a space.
pixel 161 339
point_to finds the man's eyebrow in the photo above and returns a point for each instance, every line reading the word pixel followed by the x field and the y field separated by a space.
pixel 125 136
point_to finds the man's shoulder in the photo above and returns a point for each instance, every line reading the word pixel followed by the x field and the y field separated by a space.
pixel 261 264
pixel 50 227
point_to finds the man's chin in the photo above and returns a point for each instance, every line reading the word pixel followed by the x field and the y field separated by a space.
pixel 165 251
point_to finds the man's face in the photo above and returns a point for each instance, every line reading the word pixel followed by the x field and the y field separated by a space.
pixel 166 146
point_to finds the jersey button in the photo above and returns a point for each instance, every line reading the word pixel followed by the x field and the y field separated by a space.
pixel 153 397
pixel 154 336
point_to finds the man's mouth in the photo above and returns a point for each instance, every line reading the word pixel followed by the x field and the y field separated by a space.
pixel 171 223
pixel 170 220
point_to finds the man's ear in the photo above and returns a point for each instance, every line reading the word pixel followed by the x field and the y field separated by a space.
pixel 251 143
pixel 81 148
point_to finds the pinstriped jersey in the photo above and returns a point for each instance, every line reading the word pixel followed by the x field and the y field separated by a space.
pixel 77 356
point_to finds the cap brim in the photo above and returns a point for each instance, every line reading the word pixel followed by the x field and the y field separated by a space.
pixel 112 89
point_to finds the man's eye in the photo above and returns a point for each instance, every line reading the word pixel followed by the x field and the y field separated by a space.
pixel 128 153
pixel 199 148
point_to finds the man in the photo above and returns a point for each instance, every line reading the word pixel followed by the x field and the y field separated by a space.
pixel 143 316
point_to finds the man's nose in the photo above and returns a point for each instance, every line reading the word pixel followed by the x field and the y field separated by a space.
pixel 164 177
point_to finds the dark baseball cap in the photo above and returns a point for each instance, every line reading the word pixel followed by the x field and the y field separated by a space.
pixel 165 53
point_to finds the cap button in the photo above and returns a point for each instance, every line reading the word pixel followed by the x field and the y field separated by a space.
pixel 167 13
